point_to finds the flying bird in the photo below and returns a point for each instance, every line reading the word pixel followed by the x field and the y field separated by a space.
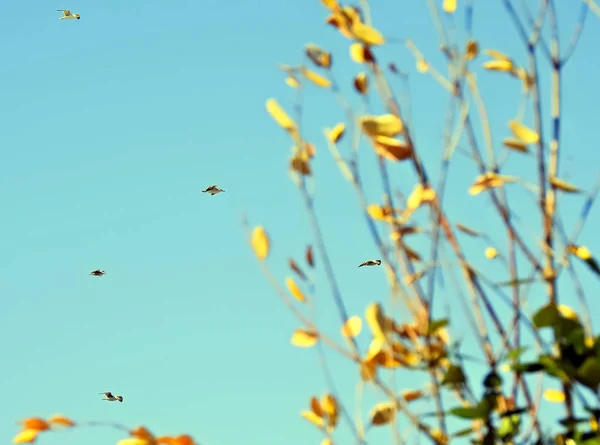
pixel 213 190
pixel 108 396
pixel 67 15
pixel 371 263
pixel 97 272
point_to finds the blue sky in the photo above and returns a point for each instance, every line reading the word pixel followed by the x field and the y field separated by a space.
pixel 111 127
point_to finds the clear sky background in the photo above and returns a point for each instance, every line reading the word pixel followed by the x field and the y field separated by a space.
pixel 110 127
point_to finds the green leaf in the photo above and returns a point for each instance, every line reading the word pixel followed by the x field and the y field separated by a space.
pixel 437 324
pixel 512 412
pixel 471 412
pixel 509 426
pixel 571 422
pixel 545 317
pixel 514 354
pixel 588 374
pixel 593 265
pixel 454 376
pixel 527 368
pixel 492 380
pixel 463 433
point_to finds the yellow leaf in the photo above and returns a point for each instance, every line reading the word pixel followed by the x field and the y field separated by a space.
pixel 410 279
pixel 317 79
pixel 580 252
pixel 312 418
pixel 515 144
pixel 326 441
pixel 391 149
pixel 418 196
pixel 491 253
pixel 472 49
pixel 487 181
pixel 554 395
pixel 439 437
pixel 291 82
pixel 59 419
pixel 336 133
pixel 304 339
pixel 26 436
pixel 497 54
pixel 361 83
pixel 360 53
pixel 375 318
pixel 499 65
pixel 383 413
pixel 384 125
pixel 318 56
pixel 524 133
pixel 330 4
pixel 294 289
pixel 330 407
pixel 366 34
pixel 567 312
pixel 563 185
pixel 411 395
pixel 260 243
pixel 35 423
pixel 422 65
pixel 134 441
pixel 279 115
pixel 329 404
pixel 352 327
pixel 449 6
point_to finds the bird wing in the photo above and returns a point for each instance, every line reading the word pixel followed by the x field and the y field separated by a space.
pixel 66 12
pixel 107 394
pixel 362 264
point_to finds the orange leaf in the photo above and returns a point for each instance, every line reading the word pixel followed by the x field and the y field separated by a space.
pixel 59 419
pixel 309 256
pixel 296 269
pixel 35 423
pixel 361 83
pixel 360 53
pixel 315 405
pixel 318 56
pixel 184 439
pixel 166 440
pixel 142 433
pixel 391 149
pixel 26 436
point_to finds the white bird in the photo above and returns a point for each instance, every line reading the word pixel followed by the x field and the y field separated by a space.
pixel 371 263
pixel 213 190
pixel 97 272
pixel 108 396
pixel 67 15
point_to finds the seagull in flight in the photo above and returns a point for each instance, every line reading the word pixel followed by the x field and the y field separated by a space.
pixel 371 263
pixel 108 396
pixel 213 190
pixel 67 15
pixel 97 272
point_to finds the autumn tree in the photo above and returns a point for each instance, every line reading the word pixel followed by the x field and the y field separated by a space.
pixel 521 358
